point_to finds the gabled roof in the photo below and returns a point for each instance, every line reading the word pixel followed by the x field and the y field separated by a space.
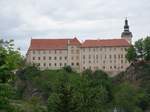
pixel 106 43
pixel 39 44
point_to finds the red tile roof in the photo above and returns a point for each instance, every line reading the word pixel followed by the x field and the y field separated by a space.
pixel 106 43
pixel 39 44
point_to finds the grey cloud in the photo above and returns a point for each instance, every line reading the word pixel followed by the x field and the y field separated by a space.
pixel 23 19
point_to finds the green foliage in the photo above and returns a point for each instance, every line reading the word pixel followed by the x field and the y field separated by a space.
pixel 127 98
pixel 131 54
pixel 146 48
pixel 140 51
pixel 87 72
pixel 93 94
pixel 33 90
pixel 6 93
pixel 10 59
pixel 68 68
pixel 139 48
pixel 28 72
pixel 64 99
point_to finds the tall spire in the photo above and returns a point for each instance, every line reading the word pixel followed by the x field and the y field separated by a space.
pixel 126 34
pixel 126 26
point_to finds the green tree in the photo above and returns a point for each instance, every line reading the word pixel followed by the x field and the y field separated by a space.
pixel 139 48
pixel 94 92
pixel 131 54
pixel 126 98
pixel 146 45
pixel 5 96
pixel 10 59
pixel 63 99
pixel 140 51
pixel 68 68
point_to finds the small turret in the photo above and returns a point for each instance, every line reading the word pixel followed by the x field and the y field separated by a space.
pixel 126 34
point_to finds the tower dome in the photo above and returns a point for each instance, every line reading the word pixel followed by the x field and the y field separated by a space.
pixel 126 34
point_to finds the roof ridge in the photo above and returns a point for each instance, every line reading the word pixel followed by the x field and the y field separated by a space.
pixel 52 39
pixel 107 39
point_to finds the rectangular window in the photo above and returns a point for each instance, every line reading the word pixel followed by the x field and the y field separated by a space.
pixel 72 58
pixel 121 55
pixel 77 51
pixel 55 58
pixel 103 67
pixel 49 64
pixel 55 64
pixel 96 56
pixel 66 58
pixel 121 67
pixel 60 58
pixel 50 58
pixel 44 64
pixel 77 64
pixel 83 56
pixel 121 61
pixel 89 56
pixel 72 64
pixel 39 58
pixel 33 58
pixel 44 58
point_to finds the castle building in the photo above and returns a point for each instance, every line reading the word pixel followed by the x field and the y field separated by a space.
pixel 104 54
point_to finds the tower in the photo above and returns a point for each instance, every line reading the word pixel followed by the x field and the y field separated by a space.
pixel 126 34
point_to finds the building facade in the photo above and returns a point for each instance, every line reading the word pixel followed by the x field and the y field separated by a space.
pixel 104 54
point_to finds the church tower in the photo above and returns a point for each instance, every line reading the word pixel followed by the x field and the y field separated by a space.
pixel 126 34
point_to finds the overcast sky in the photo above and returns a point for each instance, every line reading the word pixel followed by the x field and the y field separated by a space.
pixel 22 19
